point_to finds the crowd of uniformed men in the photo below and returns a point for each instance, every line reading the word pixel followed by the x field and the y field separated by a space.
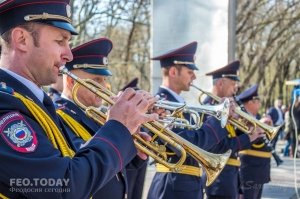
pixel 52 139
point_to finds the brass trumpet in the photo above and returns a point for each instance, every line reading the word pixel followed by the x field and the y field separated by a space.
pixel 220 111
pixel 269 130
pixel 213 164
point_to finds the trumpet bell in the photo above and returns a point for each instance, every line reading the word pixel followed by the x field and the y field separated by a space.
pixel 270 131
pixel 224 112
pixel 213 164
pixel 220 111
pixel 215 167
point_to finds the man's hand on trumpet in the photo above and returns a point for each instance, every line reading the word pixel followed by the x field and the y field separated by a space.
pixel 145 137
pixel 256 133
pixel 131 109
pixel 267 120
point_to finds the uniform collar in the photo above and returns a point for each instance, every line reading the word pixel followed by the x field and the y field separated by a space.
pixel 38 92
pixel 65 97
pixel 175 95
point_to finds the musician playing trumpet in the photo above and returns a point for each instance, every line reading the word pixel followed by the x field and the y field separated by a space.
pixel 178 68
pixel 90 62
pixel 255 162
pixel 225 84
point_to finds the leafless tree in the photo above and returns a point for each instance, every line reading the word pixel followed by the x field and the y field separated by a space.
pixel 268 45
pixel 127 24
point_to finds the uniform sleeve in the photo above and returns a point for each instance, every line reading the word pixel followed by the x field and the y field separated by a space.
pixel 273 114
pixel 136 163
pixel 238 143
pixel 41 171
pixel 209 135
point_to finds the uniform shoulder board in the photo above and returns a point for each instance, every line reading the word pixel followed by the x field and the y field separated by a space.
pixel 59 106
pixel 162 96
pixel 6 89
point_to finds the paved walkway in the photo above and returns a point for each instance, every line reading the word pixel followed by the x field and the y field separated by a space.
pixel 282 185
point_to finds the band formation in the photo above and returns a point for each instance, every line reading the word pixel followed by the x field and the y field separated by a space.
pixel 82 141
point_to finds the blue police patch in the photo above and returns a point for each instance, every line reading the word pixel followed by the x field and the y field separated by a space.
pixel 17 133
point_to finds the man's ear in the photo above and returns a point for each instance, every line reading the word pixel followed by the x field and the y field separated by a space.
pixel 70 82
pixel 172 71
pixel 20 39
pixel 219 82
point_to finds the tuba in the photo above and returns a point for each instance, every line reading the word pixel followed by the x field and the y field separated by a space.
pixel 220 111
pixel 270 131
pixel 213 164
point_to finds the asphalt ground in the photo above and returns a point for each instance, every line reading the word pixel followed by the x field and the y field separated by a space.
pixel 282 185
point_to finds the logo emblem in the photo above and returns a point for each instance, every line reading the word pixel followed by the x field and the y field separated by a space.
pixel 105 61
pixel 68 10
pixel 17 133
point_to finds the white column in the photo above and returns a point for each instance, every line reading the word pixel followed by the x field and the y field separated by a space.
pixel 179 22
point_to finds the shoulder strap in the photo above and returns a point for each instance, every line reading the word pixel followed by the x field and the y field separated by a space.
pixel 76 127
pixel 2 196
pixel 230 130
pixel 5 88
pixel 52 131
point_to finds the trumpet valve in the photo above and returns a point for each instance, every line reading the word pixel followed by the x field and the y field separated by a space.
pixel 161 150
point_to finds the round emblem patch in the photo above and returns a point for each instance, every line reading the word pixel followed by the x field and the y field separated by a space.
pixel 17 133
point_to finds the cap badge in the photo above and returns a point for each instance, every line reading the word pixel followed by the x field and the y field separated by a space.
pixel 105 61
pixel 68 10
